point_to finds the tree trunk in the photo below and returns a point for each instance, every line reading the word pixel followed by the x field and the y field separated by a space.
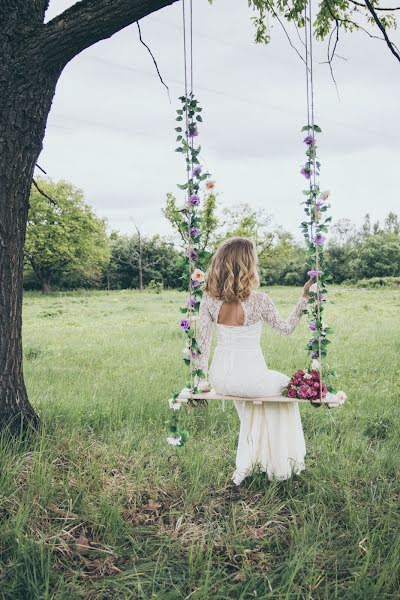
pixel 27 90
pixel 45 286
pixel 32 56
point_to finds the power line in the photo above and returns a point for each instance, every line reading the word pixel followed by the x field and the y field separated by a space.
pixel 243 99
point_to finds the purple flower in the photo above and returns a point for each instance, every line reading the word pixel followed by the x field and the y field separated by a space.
pixel 193 132
pixel 309 140
pixel 319 204
pixel 322 297
pixel 315 355
pixel 306 172
pixel 196 172
pixel 194 200
pixel 313 273
pixel 185 325
pixel 319 240
pixel 191 302
pixel 192 253
pixel 194 232
pixel 312 325
pixel 195 283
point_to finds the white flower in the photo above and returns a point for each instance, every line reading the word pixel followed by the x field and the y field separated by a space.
pixel 198 275
pixel 186 352
pixel 315 364
pixel 341 397
pixel 204 386
pixel 335 399
pixel 314 288
pixel 307 376
pixel 174 404
pixel 174 441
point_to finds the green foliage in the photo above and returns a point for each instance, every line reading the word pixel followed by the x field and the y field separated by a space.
pixel 155 286
pixel 329 15
pixel 245 221
pixel 365 255
pixel 207 221
pixel 139 259
pixel 64 239
pixel 375 282
pixel 284 262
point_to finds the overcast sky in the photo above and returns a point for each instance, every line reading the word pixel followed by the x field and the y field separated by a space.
pixel 111 128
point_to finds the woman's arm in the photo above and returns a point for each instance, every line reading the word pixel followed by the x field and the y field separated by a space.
pixel 204 334
pixel 271 315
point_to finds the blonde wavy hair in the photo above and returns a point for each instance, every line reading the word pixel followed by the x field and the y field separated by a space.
pixel 233 274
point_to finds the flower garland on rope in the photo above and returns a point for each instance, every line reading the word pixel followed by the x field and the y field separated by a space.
pixel 310 383
pixel 188 118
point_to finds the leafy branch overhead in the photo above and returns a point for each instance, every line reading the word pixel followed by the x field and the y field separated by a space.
pixel 329 17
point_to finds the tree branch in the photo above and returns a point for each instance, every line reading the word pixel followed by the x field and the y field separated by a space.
pixel 376 7
pixel 88 22
pixel 154 60
pixel 39 189
pixel 379 23
pixel 393 48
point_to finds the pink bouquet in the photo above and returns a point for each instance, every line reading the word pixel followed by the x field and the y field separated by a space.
pixel 305 385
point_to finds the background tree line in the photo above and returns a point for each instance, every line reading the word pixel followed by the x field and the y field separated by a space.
pixel 67 246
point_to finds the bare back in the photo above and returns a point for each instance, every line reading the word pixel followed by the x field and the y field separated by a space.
pixel 231 314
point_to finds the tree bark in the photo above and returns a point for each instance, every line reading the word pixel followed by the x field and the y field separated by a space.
pixel 45 286
pixel 32 56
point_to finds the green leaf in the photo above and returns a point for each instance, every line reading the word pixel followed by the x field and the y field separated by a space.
pixel 317 128
pixel 184 436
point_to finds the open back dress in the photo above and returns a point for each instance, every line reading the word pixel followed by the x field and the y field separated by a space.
pixel 271 435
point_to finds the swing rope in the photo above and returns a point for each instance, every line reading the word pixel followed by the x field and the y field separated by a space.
pixel 189 164
pixel 308 44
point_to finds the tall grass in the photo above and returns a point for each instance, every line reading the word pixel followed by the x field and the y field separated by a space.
pixel 97 506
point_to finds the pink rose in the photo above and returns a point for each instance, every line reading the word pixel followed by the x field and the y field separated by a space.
pixel 316 384
pixel 291 392
pixel 302 392
pixel 324 196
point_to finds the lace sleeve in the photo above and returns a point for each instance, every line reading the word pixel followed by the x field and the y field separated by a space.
pixel 271 315
pixel 204 333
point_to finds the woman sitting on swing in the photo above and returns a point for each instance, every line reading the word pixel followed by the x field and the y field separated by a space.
pixel 271 434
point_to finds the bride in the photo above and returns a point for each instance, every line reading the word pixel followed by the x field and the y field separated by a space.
pixel 271 434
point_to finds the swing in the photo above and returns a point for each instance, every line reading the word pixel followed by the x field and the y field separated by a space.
pixel 315 207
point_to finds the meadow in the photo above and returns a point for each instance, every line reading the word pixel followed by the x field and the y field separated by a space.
pixel 98 506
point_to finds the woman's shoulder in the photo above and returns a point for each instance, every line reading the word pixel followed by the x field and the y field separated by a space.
pixel 210 301
pixel 257 297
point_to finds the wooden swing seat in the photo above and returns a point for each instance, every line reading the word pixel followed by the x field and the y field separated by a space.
pixel 184 396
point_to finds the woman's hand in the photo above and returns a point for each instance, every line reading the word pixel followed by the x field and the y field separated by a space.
pixel 306 288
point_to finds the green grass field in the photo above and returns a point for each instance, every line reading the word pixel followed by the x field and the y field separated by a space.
pixel 98 506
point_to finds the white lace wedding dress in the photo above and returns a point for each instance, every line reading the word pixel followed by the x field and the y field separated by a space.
pixel 271 434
